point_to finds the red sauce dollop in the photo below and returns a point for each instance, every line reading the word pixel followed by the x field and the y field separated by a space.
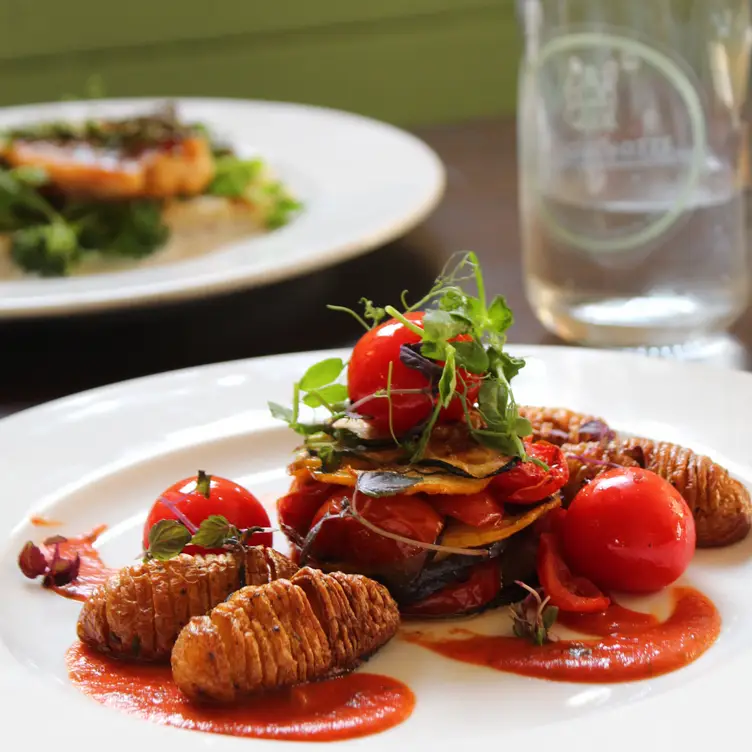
pixel 93 571
pixel 633 645
pixel 351 706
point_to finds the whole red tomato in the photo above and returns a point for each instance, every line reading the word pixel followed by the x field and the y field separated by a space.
pixel 629 530
pixel 368 373
pixel 217 496
pixel 345 539
pixel 527 482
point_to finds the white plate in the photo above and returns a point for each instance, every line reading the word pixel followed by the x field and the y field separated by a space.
pixel 103 455
pixel 363 184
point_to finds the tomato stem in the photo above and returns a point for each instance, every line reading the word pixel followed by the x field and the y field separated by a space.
pixel 203 484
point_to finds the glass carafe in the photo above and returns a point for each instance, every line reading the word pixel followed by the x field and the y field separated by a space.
pixel 631 144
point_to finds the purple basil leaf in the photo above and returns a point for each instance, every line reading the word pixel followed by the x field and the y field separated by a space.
pixel 63 571
pixel 595 430
pixel 31 561
pixel 411 357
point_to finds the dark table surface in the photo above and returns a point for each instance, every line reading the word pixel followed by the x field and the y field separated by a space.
pixel 46 359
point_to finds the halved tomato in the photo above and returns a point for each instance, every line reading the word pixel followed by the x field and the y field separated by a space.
pixel 567 591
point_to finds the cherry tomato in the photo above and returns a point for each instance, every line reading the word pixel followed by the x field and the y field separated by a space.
pixel 551 522
pixel 297 508
pixel 527 482
pixel 481 587
pixel 478 509
pixel 225 497
pixel 368 373
pixel 629 530
pixel 344 539
pixel 566 591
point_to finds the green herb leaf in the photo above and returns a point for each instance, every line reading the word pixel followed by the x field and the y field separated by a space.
pixel 549 616
pixel 321 374
pixel 280 412
pixel 333 394
pixel 448 380
pixel 233 176
pixel 372 313
pixel 167 538
pixel 383 483
pixel 48 250
pixel 500 316
pixel 441 326
pixel 33 176
pixel 471 356
pixel 492 403
pixel 510 365
pixel 214 532
pixel 523 427
pixel 133 229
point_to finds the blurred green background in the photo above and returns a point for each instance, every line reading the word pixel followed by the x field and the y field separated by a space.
pixel 411 62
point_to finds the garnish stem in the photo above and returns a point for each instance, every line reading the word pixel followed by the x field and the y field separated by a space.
pixel 389 397
pixel 394 313
pixel 344 309
pixel 178 514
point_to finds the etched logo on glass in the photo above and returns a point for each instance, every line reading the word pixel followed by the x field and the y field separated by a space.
pixel 611 105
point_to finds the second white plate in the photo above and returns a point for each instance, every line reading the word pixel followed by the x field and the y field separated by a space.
pixel 363 183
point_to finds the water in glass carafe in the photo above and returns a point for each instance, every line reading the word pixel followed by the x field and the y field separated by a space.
pixel 631 182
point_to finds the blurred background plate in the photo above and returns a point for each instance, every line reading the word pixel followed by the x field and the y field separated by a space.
pixel 362 183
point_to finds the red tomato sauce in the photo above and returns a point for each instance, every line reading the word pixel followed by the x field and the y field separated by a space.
pixel 344 708
pixel 93 571
pixel 632 645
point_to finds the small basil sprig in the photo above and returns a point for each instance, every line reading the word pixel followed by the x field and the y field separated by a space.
pixel 168 538
pixel 317 388
pixel 533 618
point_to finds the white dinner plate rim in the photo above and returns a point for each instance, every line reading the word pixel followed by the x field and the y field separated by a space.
pixel 650 722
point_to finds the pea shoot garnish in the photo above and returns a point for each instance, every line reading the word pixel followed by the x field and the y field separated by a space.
pixel 440 359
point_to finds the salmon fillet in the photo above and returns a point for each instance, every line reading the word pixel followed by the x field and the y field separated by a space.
pixel 287 632
pixel 139 612
pixel 80 169
pixel 720 504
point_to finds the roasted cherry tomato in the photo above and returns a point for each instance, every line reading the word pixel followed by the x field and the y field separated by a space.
pixel 551 522
pixel 629 530
pixel 199 497
pixel 527 482
pixel 566 590
pixel 297 508
pixel 345 539
pixel 477 590
pixel 368 373
pixel 478 509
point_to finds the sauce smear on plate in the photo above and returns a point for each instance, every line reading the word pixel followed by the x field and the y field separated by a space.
pixel 350 706
pixel 632 645
pixel 93 571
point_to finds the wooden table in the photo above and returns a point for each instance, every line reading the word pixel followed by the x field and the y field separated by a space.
pixel 42 360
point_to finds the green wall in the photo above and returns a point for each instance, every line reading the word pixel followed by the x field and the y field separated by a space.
pixel 407 61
